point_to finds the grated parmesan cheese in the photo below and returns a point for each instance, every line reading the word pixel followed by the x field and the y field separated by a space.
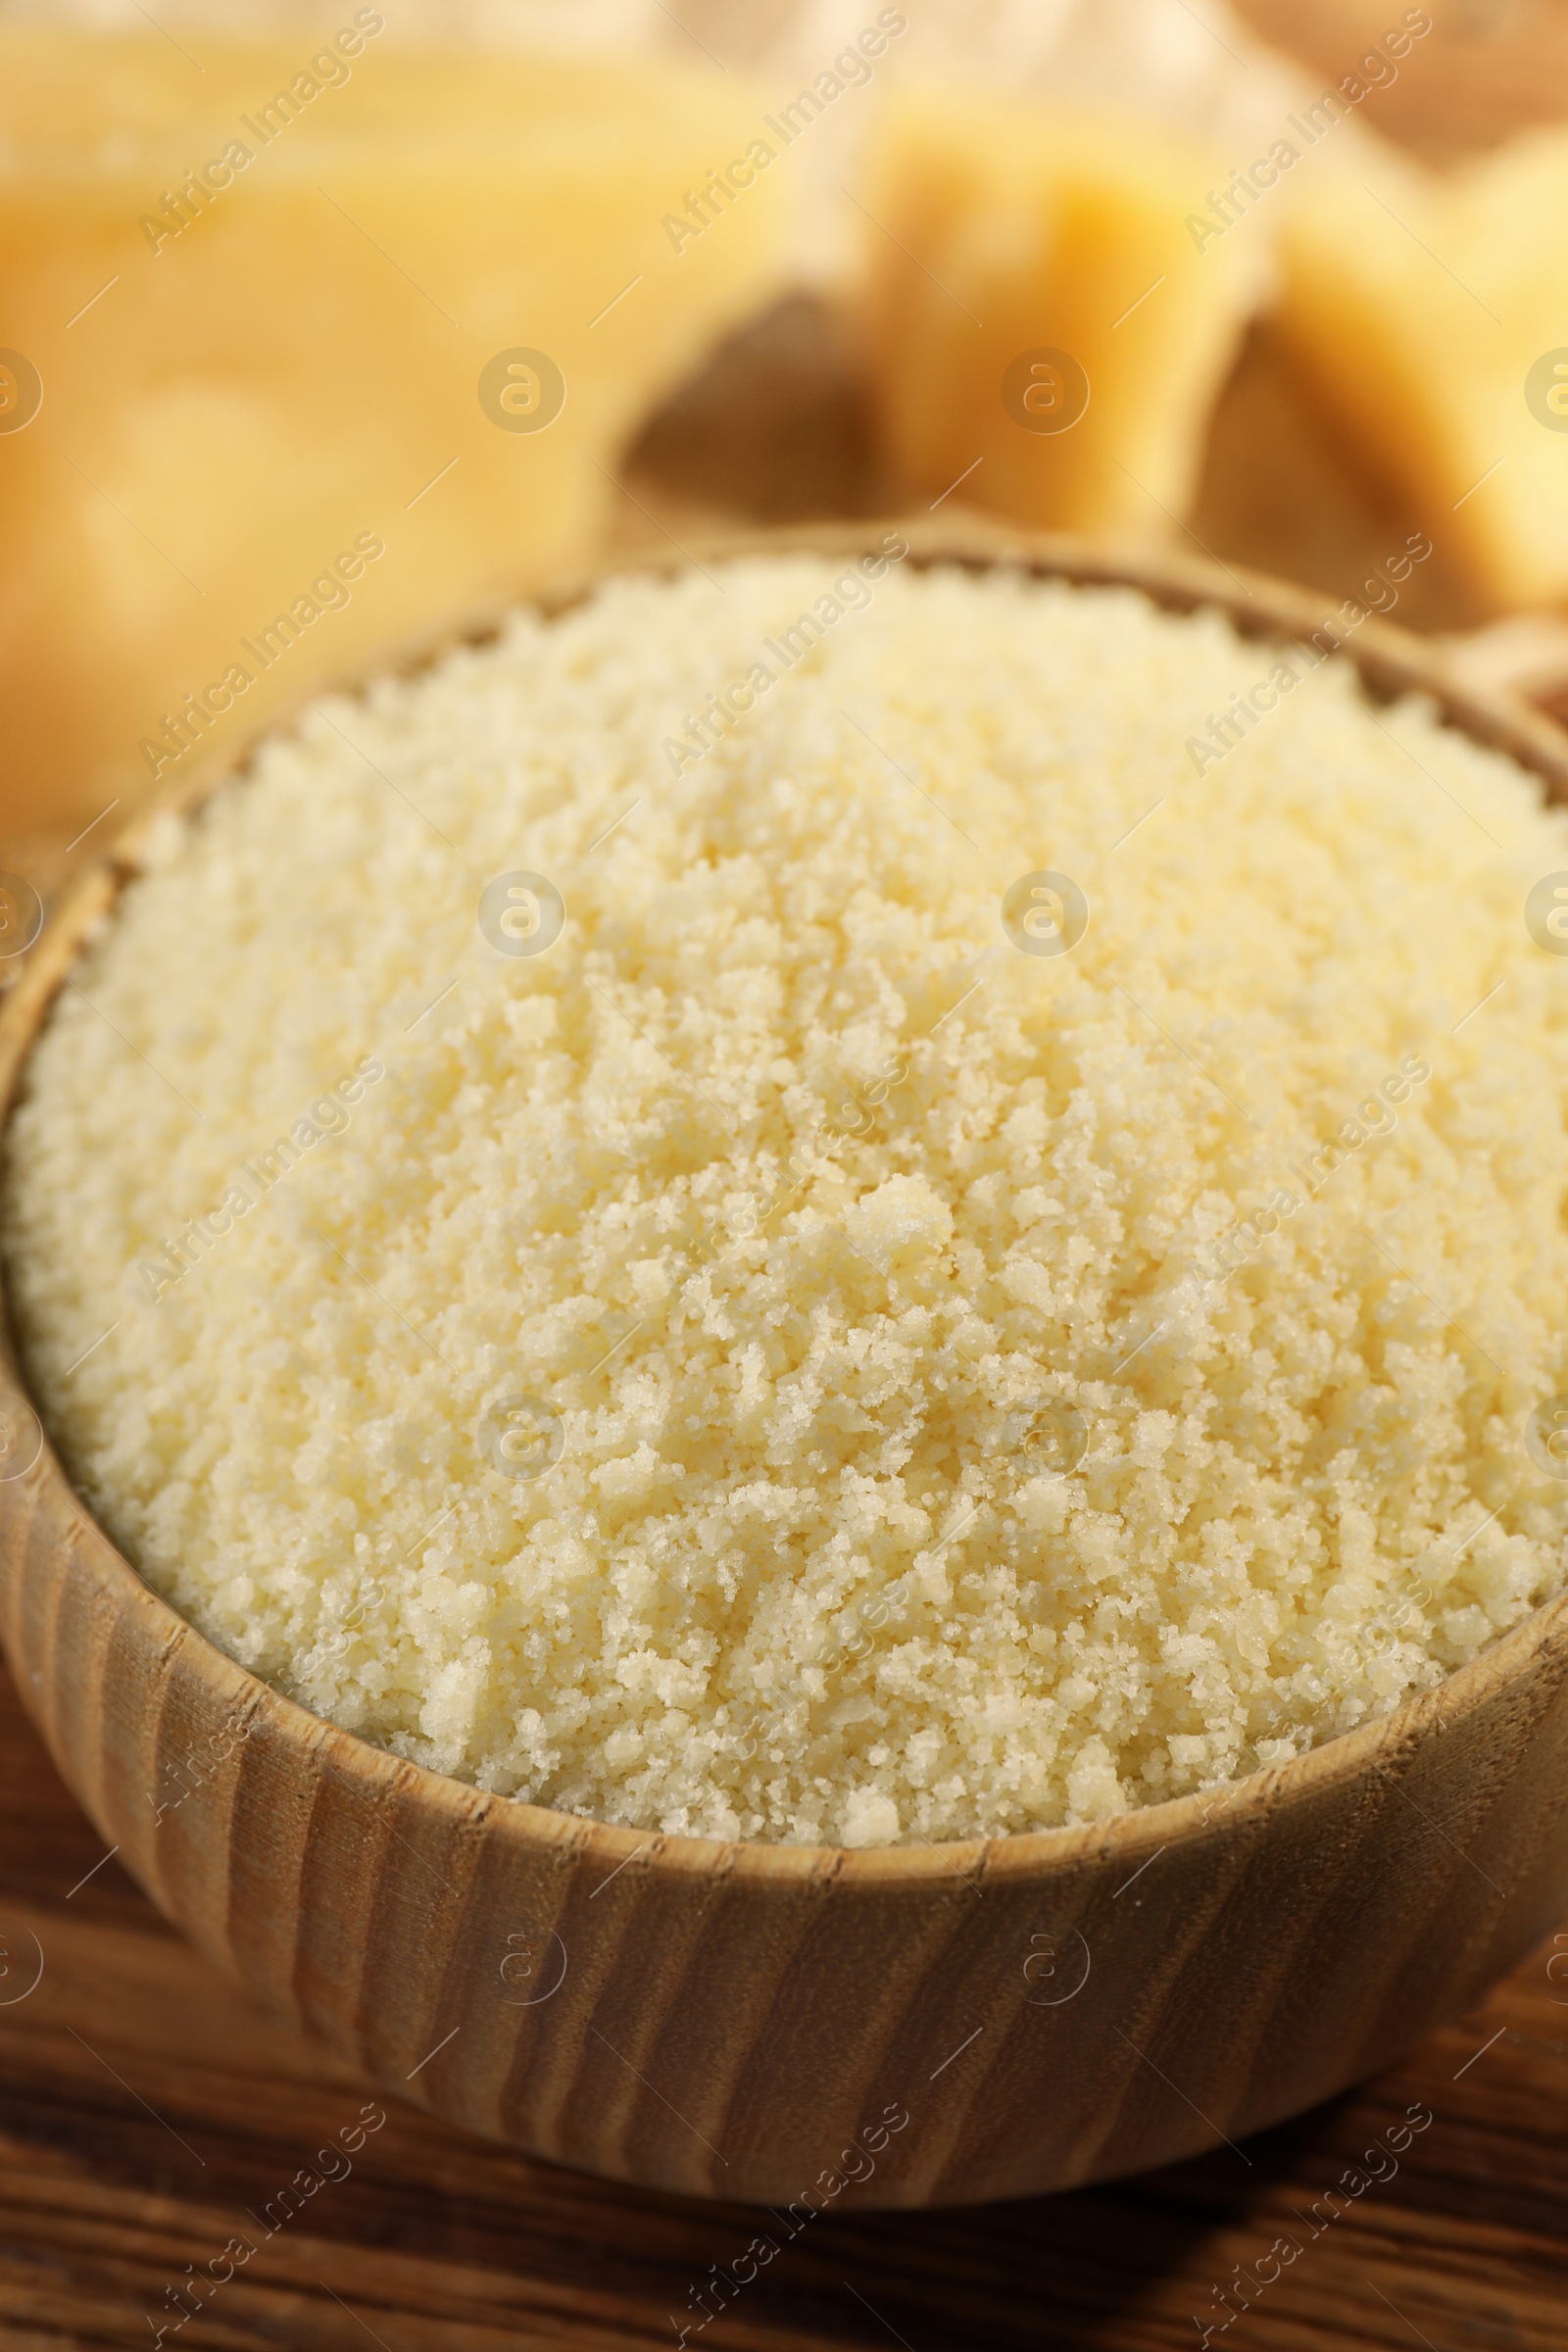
pixel 785 1357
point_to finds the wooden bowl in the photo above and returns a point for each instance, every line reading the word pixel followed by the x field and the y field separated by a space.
pixel 934 2024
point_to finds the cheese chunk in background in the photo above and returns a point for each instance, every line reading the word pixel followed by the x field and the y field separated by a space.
pixel 1002 227
pixel 256 373
pixel 1433 315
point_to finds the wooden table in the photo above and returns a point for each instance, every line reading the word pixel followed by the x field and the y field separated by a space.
pixel 150 2114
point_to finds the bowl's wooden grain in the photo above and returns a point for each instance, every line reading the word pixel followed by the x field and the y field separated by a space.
pixel 983 2020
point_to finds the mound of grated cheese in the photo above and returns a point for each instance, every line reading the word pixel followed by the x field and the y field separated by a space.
pixel 791 1360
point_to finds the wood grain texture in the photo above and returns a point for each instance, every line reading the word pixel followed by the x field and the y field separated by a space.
pixel 149 2111
pixel 984 2019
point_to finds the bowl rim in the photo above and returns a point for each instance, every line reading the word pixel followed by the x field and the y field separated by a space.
pixel 1390 662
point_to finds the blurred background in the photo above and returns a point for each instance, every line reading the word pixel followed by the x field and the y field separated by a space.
pixel 488 288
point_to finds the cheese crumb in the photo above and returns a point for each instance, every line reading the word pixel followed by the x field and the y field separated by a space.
pixel 784 1357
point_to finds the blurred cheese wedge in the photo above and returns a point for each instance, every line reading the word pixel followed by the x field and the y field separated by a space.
pixel 1041 326
pixel 1434 315
pixel 259 289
